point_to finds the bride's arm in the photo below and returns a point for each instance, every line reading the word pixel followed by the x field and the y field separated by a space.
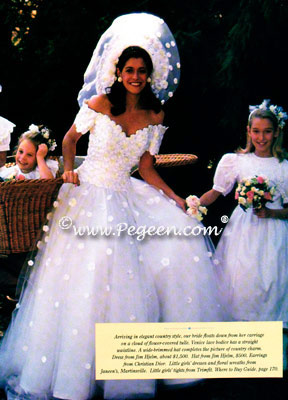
pixel 69 151
pixel 151 176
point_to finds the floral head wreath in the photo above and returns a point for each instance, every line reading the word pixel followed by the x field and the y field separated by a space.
pixel 45 132
pixel 137 29
pixel 276 110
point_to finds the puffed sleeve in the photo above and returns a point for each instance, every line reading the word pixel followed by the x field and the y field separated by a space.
pixel 85 119
pixel 6 128
pixel 156 137
pixel 53 165
pixel 226 174
pixel 283 187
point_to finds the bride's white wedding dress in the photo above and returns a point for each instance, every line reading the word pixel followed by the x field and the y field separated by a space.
pixel 77 280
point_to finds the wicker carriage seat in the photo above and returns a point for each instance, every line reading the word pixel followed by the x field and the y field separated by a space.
pixel 25 204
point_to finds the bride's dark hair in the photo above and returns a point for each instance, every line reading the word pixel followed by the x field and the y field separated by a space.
pixel 117 92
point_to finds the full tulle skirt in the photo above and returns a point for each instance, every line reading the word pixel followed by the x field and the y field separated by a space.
pixel 95 264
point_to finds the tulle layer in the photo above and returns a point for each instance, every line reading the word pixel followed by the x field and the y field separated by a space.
pixel 81 277
pixel 254 256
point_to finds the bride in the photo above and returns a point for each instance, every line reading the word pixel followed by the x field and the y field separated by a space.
pixel 78 280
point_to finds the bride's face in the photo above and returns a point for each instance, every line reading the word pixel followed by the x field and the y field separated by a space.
pixel 134 75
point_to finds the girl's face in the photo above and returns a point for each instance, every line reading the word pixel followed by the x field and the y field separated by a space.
pixel 262 135
pixel 134 75
pixel 26 156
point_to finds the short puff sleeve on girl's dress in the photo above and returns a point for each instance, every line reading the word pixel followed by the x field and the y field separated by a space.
pixel 283 185
pixel 85 119
pixel 6 128
pixel 156 136
pixel 53 165
pixel 226 174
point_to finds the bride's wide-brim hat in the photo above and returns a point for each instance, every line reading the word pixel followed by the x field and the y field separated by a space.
pixel 137 29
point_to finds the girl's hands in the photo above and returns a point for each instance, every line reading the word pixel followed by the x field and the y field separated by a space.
pixel 263 213
pixel 42 151
pixel 71 177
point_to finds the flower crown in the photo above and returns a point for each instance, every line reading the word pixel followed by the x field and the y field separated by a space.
pixel 276 110
pixel 51 143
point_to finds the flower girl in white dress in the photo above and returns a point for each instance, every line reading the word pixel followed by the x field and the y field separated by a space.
pixel 253 249
pixel 78 280
pixel 31 158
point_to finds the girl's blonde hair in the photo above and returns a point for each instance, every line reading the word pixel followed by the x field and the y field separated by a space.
pixel 277 148
pixel 36 138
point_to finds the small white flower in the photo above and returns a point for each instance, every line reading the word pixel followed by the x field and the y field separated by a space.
pixel 72 202
pixel 165 261
pixel 52 145
pixel 33 128
pixel 272 108
pixel 109 251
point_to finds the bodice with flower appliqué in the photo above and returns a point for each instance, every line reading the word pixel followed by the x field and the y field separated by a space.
pixel 111 153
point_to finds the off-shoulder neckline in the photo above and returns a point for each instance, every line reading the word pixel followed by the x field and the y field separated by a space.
pixel 145 128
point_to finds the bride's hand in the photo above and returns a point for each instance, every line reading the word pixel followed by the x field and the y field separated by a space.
pixel 180 202
pixel 71 177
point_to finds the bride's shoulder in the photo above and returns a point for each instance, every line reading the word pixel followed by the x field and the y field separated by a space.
pixel 157 118
pixel 99 103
